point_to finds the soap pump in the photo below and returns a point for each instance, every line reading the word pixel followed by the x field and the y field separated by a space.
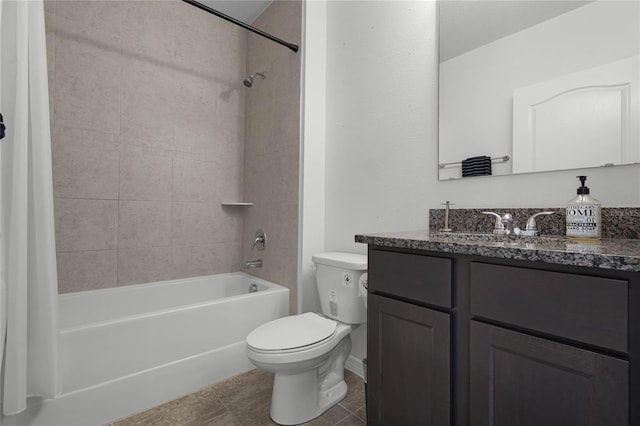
pixel 583 215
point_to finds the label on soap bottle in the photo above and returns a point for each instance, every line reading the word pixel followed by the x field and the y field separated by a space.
pixel 583 220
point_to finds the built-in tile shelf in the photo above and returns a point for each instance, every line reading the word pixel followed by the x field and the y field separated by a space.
pixel 235 204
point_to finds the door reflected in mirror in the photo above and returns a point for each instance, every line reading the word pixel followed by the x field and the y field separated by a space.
pixel 538 85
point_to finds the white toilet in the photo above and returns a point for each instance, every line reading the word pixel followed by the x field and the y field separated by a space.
pixel 307 352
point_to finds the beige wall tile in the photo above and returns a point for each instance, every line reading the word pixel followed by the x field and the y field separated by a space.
pixel 192 261
pixel 205 223
pixel 194 181
pixel 145 177
pixel 89 18
pixel 153 91
pixel 194 223
pixel 86 224
pixel 285 179
pixel 196 124
pixel 87 65
pixel 148 30
pixel 83 138
pixel 272 147
pixel 147 93
pixel 228 224
pixel 87 270
pixel 209 112
pixel 144 224
pixel 50 28
pixel 198 48
pixel 144 265
pixel 82 172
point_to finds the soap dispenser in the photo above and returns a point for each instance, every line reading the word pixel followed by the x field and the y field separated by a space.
pixel 583 215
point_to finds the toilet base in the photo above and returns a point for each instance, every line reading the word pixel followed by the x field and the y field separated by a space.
pixel 324 387
pixel 289 407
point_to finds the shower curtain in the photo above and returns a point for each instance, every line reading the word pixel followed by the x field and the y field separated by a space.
pixel 28 297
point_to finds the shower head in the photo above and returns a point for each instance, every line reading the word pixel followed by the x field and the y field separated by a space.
pixel 249 80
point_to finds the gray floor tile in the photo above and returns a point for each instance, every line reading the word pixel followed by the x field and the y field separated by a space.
pixel 191 410
pixel 362 413
pixel 355 398
pixel 352 420
pixel 244 400
pixel 226 419
pixel 330 417
pixel 243 386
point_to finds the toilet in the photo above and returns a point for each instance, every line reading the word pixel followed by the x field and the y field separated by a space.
pixel 307 352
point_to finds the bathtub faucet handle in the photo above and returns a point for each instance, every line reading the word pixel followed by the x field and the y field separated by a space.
pixel 260 241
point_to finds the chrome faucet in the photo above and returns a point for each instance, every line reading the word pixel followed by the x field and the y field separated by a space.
pixel 511 229
pixel 505 225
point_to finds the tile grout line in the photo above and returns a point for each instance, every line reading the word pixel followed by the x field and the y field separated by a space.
pixel 224 405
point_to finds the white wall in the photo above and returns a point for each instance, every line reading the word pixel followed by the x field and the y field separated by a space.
pixel 381 134
pixel 380 116
pixel 381 121
pixel 312 152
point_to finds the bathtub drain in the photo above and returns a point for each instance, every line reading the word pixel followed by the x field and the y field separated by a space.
pixel 253 288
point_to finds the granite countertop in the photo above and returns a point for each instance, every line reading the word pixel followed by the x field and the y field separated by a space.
pixel 619 254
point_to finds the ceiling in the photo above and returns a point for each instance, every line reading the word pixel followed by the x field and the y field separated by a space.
pixel 243 10
pixel 468 24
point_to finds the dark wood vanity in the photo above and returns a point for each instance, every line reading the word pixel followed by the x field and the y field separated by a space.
pixel 479 334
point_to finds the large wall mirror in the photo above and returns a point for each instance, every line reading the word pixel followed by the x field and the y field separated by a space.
pixel 532 86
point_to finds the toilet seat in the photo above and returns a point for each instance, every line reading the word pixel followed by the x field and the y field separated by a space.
pixel 291 334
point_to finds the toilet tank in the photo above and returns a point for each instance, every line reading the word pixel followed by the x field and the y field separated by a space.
pixel 337 275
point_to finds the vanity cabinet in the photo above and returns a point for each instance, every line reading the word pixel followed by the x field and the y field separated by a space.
pixel 519 378
pixel 458 339
pixel 409 370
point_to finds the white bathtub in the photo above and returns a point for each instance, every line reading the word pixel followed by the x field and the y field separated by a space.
pixel 128 348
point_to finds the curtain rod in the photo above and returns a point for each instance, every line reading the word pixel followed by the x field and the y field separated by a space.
pixel 242 24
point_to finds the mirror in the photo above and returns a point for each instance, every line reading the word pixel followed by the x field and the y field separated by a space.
pixel 531 86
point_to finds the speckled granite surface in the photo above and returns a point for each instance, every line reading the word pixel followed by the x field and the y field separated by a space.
pixel 618 222
pixel 619 254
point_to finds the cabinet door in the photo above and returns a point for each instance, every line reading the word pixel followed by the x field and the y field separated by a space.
pixel 408 353
pixel 517 379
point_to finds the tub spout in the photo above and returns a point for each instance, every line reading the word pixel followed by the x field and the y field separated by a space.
pixel 254 264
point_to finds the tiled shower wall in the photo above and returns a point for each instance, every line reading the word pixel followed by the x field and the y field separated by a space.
pixel 272 145
pixel 147 107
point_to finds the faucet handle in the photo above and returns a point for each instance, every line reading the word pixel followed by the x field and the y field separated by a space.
pixel 498 227
pixel 531 223
pixel 531 228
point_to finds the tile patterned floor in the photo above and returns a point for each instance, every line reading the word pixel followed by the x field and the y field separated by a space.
pixel 244 400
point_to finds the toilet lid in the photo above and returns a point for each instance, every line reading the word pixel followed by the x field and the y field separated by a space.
pixel 291 332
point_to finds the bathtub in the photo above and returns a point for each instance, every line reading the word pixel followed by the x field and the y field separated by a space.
pixel 128 348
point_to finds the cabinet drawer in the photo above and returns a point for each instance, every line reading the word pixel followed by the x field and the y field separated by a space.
pixel 424 279
pixel 586 309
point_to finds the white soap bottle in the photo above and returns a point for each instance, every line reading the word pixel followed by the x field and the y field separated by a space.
pixel 583 215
